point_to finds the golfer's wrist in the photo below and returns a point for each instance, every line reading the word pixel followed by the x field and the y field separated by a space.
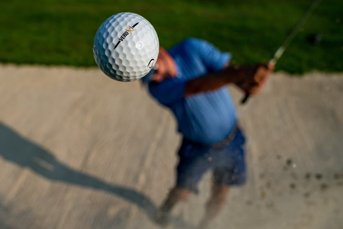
pixel 235 74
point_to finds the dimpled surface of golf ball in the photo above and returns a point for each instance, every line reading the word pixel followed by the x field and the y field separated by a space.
pixel 126 47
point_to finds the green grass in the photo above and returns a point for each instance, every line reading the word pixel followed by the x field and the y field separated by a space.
pixel 61 32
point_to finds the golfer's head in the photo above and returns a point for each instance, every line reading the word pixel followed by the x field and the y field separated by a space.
pixel 165 68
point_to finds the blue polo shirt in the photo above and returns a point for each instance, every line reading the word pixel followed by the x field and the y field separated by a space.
pixel 205 117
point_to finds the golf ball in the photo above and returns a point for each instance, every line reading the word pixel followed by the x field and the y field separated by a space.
pixel 126 47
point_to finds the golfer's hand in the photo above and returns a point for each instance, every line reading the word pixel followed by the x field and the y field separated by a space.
pixel 253 78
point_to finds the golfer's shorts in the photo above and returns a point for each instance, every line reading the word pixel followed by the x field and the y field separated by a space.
pixel 227 163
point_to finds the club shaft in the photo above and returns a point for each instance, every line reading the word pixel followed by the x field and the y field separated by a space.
pixel 288 40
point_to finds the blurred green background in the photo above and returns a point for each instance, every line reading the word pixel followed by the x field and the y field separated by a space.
pixel 61 32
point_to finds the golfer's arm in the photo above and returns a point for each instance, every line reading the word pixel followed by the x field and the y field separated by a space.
pixel 213 81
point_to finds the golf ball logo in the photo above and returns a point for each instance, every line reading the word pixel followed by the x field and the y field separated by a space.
pixel 124 35
pixel 139 45
pixel 151 63
pixel 130 30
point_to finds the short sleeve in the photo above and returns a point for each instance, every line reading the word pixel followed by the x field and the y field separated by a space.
pixel 213 59
pixel 169 91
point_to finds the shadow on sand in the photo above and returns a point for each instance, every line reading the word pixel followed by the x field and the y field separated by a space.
pixel 24 153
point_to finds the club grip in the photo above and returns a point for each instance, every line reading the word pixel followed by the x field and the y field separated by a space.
pixel 245 99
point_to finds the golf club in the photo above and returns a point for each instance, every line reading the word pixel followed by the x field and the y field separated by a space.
pixel 288 40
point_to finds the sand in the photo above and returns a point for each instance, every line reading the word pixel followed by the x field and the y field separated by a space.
pixel 79 150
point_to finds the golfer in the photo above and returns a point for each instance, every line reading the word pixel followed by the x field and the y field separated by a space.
pixel 191 80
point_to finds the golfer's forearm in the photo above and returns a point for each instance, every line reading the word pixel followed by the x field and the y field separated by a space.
pixel 213 81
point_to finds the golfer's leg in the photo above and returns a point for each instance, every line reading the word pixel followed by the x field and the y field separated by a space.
pixel 215 204
pixel 175 196
pixel 189 172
